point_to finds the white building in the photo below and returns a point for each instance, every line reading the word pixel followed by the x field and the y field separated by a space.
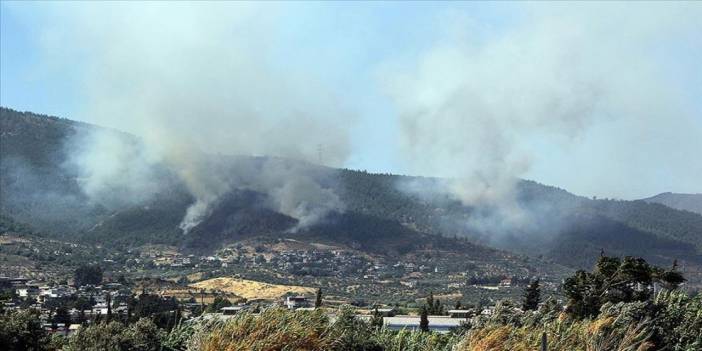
pixel 295 302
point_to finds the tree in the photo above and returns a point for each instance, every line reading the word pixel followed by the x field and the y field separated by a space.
pixel 434 306
pixel 670 279
pixel 217 304
pixel 62 316
pixel 108 302
pixel 424 319
pixel 21 331
pixel 115 336
pixel 613 280
pixel 532 296
pixel 376 320
pixel 87 275
pixel 318 300
pixel 350 333
pixel 430 302
pixel 159 309
pixel 438 308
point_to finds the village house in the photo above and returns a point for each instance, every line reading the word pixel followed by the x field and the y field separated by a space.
pixel 296 302
pixel 28 291
pixel 385 312
pixel 460 313
pixel 232 310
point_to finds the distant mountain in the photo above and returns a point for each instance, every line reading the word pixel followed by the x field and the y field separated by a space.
pixel 687 202
pixel 38 189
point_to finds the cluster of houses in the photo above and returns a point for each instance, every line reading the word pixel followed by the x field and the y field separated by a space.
pixel 31 295
pixel 37 296
pixel 454 318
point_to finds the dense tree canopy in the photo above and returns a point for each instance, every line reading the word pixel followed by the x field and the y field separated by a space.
pixel 532 296
pixel 88 275
pixel 615 280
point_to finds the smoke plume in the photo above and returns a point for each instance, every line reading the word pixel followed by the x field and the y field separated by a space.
pixel 478 110
pixel 195 82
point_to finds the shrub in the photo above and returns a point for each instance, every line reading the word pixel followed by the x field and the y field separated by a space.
pixel 22 331
pixel 143 335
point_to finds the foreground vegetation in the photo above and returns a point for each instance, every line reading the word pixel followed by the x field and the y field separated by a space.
pixel 611 308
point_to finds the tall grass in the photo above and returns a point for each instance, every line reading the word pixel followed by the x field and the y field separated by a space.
pixel 672 321
pixel 274 329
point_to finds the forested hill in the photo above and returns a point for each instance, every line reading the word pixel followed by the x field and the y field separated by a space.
pixel 687 202
pixel 36 188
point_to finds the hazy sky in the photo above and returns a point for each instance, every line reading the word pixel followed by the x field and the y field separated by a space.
pixel 600 99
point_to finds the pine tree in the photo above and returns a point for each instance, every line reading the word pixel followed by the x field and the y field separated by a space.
pixel 424 319
pixel 532 296
pixel 318 301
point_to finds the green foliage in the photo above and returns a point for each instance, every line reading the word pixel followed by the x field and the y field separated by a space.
pixel 88 275
pixel 434 306
pixel 532 296
pixel 33 163
pixel 318 299
pixel 278 329
pixel 61 315
pixel 351 332
pixel 9 225
pixel 20 331
pixel 424 319
pixel 687 202
pixel 376 320
pixel 217 304
pixel 115 336
pixel 164 312
pixel 679 321
pixel 614 280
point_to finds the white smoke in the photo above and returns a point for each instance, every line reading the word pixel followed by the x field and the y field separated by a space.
pixel 194 80
pixel 113 169
pixel 475 109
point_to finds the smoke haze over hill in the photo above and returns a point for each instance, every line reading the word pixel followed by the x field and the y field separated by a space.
pixel 578 96
pixel 476 111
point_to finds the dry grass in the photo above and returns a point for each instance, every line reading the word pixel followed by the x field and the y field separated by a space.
pixel 567 335
pixel 251 289
pixel 275 329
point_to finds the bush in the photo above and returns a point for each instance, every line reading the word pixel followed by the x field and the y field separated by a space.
pixel 115 336
pixel 22 331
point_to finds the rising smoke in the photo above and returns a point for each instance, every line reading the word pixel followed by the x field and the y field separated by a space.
pixel 195 82
pixel 478 110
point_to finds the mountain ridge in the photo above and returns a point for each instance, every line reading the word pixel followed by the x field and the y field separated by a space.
pixel 679 201
pixel 567 228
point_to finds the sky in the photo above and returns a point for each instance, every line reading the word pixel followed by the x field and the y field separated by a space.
pixel 600 99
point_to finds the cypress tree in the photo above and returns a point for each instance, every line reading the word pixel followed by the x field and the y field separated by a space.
pixel 532 296
pixel 318 300
pixel 424 319
pixel 430 302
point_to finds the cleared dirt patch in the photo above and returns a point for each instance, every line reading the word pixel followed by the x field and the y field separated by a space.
pixel 251 289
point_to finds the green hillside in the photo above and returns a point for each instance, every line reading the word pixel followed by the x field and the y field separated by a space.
pixel 687 202
pixel 39 190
